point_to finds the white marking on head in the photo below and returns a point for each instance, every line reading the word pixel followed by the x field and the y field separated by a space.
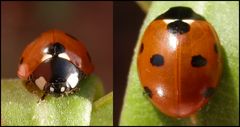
pixel 45 50
pixel 51 89
pixel 64 56
pixel 72 80
pixel 40 82
pixel 62 89
pixel 188 21
pixel 46 56
pixel 167 21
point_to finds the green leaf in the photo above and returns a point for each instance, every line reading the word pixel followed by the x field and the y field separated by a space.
pixel 20 107
pixel 102 114
pixel 223 107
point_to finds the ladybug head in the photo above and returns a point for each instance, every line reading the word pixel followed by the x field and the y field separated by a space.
pixel 58 87
pixel 57 75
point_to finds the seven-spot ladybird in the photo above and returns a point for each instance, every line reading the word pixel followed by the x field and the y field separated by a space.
pixel 179 62
pixel 55 62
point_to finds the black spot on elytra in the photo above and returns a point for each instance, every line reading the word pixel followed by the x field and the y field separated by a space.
pixel 148 91
pixel 141 48
pixel 21 61
pixel 180 13
pixel 208 92
pixel 71 36
pixel 89 57
pixel 157 60
pixel 215 48
pixel 178 27
pixel 198 61
pixel 55 48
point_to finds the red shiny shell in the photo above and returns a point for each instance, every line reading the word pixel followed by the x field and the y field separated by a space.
pixel 33 53
pixel 176 84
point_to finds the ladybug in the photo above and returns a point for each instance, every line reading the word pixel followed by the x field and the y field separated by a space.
pixel 55 62
pixel 179 62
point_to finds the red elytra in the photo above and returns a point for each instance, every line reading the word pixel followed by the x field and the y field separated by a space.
pixel 33 53
pixel 179 62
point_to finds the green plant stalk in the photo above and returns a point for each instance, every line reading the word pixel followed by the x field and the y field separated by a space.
pixel 102 114
pixel 223 107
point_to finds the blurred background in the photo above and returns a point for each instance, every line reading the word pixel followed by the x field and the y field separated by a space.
pixel 90 22
pixel 128 18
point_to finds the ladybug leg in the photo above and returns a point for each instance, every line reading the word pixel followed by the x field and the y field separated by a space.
pixel 72 91
pixel 43 97
pixel 147 92
pixel 75 89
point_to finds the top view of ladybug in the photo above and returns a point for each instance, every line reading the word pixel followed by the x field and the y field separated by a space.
pixel 179 62
pixel 55 62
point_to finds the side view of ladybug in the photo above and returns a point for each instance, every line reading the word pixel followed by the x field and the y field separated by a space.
pixel 179 62
pixel 55 62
